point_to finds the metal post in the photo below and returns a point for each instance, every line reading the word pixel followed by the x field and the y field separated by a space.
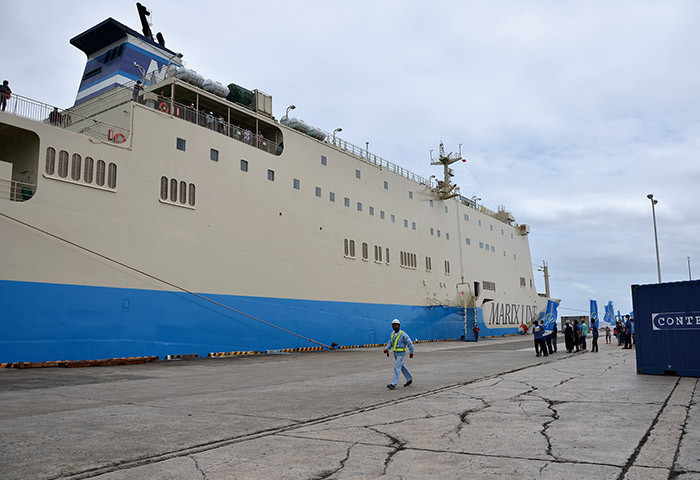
pixel 656 240
pixel 545 270
pixel 690 277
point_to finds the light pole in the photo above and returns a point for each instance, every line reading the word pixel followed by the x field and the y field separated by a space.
pixel 143 72
pixel 656 240
pixel 167 69
pixel 286 114
pixel 690 277
pixel 336 131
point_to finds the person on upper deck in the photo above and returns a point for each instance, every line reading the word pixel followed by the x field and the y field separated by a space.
pixel 55 117
pixel 5 94
pixel 137 91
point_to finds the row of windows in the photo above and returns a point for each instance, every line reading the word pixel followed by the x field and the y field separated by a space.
pixel 318 192
pixel 358 175
pixel 487 247
pixel 177 192
pixel 88 170
pixel 407 259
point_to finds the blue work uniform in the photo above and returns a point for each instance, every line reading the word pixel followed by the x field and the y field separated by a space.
pixel 398 342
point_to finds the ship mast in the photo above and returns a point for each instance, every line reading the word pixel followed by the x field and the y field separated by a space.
pixel 445 188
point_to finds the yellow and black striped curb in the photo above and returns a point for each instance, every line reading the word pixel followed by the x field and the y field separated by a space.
pixel 233 354
pixel 103 362
pixel 138 360
pixel 369 345
pixel 301 349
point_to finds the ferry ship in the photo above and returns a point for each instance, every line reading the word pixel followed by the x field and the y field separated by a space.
pixel 168 214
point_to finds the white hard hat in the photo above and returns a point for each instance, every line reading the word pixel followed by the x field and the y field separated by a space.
pixel 395 322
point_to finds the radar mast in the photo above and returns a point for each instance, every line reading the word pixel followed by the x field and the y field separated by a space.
pixel 445 188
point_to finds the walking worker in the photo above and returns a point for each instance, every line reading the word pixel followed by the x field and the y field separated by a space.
pixel 398 342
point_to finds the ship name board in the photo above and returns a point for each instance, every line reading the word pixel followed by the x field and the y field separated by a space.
pixel 511 314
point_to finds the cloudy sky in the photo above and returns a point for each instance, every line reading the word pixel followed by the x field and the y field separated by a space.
pixel 569 113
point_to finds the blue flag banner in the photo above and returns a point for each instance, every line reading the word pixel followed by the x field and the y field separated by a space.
pixel 594 310
pixel 550 317
pixel 609 313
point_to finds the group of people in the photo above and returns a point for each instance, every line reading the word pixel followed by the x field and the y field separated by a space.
pixel 574 337
pixel 576 333
pixel 624 332
pixel 545 343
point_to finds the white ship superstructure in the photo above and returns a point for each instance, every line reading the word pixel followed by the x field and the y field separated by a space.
pixel 123 216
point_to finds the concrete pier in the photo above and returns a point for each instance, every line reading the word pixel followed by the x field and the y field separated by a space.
pixel 475 410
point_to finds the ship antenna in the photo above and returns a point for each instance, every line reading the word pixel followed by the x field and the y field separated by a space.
pixel 445 188
pixel 143 13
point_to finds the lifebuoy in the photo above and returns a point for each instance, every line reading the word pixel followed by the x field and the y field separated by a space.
pixel 164 107
pixel 119 138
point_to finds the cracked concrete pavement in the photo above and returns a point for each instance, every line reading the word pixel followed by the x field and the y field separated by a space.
pixel 486 410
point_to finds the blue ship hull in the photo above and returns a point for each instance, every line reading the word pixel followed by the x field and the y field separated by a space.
pixel 50 322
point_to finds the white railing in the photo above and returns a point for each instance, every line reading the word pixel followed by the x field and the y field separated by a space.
pixel 210 121
pixel 64 118
pixel 16 191
pixel 367 156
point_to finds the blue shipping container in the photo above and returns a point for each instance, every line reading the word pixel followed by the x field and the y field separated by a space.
pixel 667 328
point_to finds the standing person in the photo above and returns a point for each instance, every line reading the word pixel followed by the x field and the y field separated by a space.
pixel 554 337
pixel 620 333
pixel 55 117
pixel 594 330
pixel 548 341
pixel 137 91
pixel 398 342
pixel 191 113
pixel 221 124
pixel 584 333
pixel 577 336
pixel 568 337
pixel 608 338
pixel 476 332
pixel 538 332
pixel 632 329
pixel 5 94
pixel 628 332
